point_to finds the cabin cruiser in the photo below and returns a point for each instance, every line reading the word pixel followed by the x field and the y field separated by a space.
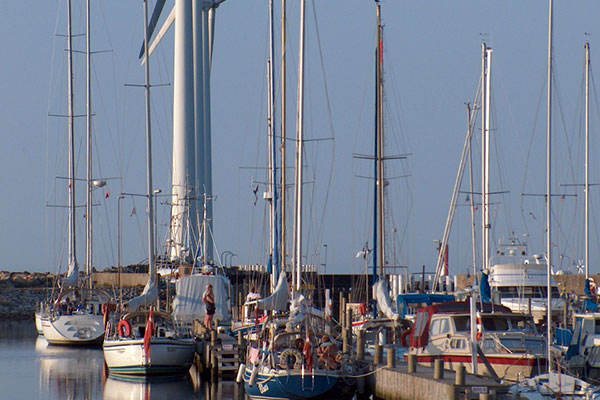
pixel 520 281
pixel 508 341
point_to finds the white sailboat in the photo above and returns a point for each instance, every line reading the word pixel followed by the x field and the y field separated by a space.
pixel 76 316
pixel 147 342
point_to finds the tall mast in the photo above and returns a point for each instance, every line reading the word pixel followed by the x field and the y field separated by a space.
pixel 283 138
pixel 587 160
pixel 380 156
pixel 299 154
pixel 472 206
pixel 72 244
pixel 549 191
pixel 485 151
pixel 150 203
pixel 88 212
pixel 272 156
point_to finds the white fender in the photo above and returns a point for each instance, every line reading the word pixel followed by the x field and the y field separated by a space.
pixel 240 375
pixel 254 376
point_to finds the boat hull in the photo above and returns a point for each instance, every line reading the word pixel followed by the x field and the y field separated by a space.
pixel 40 319
pixel 299 385
pixel 74 330
pixel 167 356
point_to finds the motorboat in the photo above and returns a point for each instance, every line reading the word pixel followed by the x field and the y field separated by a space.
pixel 509 342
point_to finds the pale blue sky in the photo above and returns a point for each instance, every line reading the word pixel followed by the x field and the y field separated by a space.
pixel 432 68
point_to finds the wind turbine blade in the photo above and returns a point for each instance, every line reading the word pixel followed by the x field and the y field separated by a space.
pixel 158 7
pixel 163 31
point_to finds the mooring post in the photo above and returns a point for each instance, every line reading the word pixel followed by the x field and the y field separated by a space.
pixel 213 338
pixel 378 354
pixel 459 379
pixel 342 304
pixel 438 369
pixel 214 370
pixel 347 338
pixel 391 358
pixel 484 396
pixel 360 345
pixel 348 317
pixel 412 363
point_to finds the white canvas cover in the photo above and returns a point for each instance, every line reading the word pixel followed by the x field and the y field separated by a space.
pixel 148 296
pixel 384 303
pixel 188 304
pixel 278 300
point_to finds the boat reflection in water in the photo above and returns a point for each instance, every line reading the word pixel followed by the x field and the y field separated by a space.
pixel 69 373
pixel 140 388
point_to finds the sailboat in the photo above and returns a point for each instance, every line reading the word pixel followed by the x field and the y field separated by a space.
pixel 288 366
pixel 76 316
pixel 147 342
pixel 554 384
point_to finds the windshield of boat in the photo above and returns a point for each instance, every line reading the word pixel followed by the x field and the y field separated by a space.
pixel 534 292
pixel 495 323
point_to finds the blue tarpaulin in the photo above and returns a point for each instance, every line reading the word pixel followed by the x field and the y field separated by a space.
pixel 484 288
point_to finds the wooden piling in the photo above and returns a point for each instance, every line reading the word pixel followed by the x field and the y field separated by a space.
pixel 438 369
pixel 347 335
pixel 412 363
pixel 360 345
pixel 391 357
pixel 377 359
pixel 459 378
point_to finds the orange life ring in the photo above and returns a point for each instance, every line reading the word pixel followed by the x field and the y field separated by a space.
pixel 124 328
pixel 404 337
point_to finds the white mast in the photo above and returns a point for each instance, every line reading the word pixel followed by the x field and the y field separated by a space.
pixel 270 145
pixel 207 36
pixel 183 124
pixel 587 160
pixel 88 212
pixel 283 137
pixel 485 152
pixel 380 147
pixel 73 273
pixel 549 191
pixel 299 155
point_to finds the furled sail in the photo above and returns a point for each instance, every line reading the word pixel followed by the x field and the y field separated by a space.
pixel 72 275
pixel 278 300
pixel 382 295
pixel 148 296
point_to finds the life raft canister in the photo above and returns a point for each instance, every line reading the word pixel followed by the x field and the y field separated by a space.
pixel 124 328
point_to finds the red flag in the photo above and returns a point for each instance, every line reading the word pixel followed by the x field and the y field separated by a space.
pixel 107 195
pixel 148 333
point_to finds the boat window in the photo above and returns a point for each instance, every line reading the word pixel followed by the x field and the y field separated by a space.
pixel 489 345
pixel 535 345
pixel 462 324
pixel 495 324
pixel 444 326
pixel 435 327
pixel 521 324
pixel 458 344
pixel 511 344
pixel 597 327
pixel 421 323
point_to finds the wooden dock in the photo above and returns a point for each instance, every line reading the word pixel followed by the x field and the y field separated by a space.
pixel 398 384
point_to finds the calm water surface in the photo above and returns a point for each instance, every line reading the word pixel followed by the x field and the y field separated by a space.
pixel 31 369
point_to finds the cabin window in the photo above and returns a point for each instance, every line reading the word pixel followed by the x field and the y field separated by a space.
pixel 462 324
pixel 444 326
pixel 421 323
pixel 597 327
pixel 495 324
pixel 534 346
pixel 489 345
pixel 435 327
pixel 458 344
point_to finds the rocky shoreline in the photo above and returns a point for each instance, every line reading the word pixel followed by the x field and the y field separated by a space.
pixel 21 292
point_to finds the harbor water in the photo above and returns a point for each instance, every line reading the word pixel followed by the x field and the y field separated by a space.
pixel 31 369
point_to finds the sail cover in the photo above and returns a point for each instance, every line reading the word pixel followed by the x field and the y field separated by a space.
pixel 278 300
pixel 72 275
pixel 148 296
pixel 382 295
pixel 188 304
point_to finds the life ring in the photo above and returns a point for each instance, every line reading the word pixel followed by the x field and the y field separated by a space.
pixel 404 337
pixel 124 328
pixel 107 307
pixel 287 354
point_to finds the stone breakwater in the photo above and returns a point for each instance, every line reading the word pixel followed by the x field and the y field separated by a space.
pixel 21 292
